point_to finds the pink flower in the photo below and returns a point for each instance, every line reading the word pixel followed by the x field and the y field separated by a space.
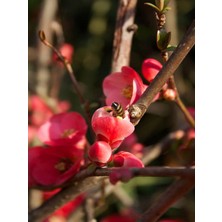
pixel 53 165
pixel 39 111
pixel 111 129
pixel 150 68
pixel 67 51
pixel 31 133
pixel 33 154
pixel 63 129
pixel 126 159
pixel 120 174
pixel 100 153
pixel 125 87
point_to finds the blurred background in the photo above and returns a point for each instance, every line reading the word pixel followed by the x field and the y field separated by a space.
pixel 88 25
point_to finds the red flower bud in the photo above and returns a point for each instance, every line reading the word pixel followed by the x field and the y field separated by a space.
pixel 169 94
pixel 126 159
pixel 122 174
pixel 100 153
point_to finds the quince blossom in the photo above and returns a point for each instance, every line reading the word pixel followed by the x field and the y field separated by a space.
pixel 53 165
pixel 63 129
pixel 110 129
pixel 125 87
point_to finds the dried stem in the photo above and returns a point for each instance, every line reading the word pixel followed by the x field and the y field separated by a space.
pixel 174 192
pixel 123 35
pixel 138 109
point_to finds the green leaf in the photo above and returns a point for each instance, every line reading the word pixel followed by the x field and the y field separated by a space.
pixel 160 4
pixel 166 9
pixel 153 6
pixel 170 48
pixel 163 39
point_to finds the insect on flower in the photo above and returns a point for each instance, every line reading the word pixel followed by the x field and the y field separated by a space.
pixel 117 110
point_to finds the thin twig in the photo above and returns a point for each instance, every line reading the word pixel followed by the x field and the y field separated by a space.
pixel 180 103
pixel 174 192
pixel 70 71
pixel 138 109
pixel 123 35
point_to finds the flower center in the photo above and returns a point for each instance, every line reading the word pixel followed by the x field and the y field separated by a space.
pixel 66 133
pixel 63 165
pixel 127 91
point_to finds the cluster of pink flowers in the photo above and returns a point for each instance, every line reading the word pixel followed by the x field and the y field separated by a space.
pixel 64 134
pixel 39 112
pixel 62 155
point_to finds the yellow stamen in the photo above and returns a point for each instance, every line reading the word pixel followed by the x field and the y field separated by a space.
pixel 67 133
pixel 127 91
pixel 61 166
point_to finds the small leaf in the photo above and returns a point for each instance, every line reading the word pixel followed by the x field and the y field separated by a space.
pixel 163 39
pixel 166 9
pixel 160 4
pixel 170 48
pixel 153 6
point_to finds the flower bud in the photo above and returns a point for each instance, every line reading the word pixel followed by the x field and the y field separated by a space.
pixel 126 159
pixel 100 153
pixel 169 94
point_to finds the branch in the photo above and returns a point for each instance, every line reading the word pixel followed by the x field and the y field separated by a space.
pixel 64 196
pixel 82 183
pixel 138 109
pixel 150 171
pixel 174 192
pixel 123 35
